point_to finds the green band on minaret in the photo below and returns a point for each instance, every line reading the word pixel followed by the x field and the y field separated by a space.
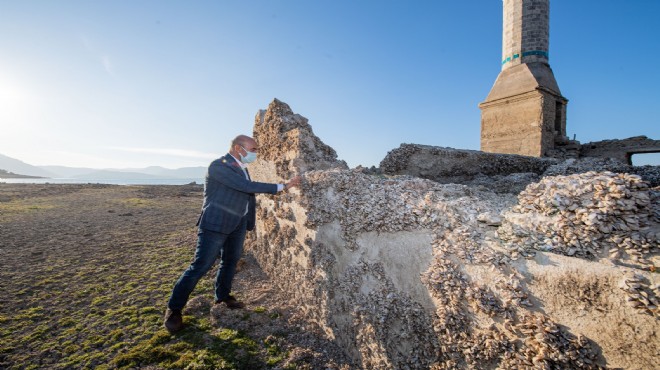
pixel 526 53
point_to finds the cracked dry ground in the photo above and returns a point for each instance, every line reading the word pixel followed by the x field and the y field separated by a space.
pixel 85 273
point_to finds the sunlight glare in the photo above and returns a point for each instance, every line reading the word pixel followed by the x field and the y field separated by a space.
pixel 14 103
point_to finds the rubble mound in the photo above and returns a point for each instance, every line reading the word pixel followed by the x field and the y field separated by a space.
pixel 409 273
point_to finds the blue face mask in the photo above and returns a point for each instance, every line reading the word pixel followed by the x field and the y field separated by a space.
pixel 249 158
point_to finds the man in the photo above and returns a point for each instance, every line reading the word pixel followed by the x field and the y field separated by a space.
pixel 228 211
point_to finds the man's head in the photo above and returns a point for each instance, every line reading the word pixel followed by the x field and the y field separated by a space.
pixel 244 148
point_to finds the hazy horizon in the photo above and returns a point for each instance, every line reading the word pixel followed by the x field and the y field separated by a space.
pixel 111 85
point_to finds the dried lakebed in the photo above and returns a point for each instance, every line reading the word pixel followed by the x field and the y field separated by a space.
pixel 86 271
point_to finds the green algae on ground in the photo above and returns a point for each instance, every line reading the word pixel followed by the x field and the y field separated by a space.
pixel 194 348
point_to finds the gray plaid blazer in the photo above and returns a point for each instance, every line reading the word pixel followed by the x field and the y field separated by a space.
pixel 226 195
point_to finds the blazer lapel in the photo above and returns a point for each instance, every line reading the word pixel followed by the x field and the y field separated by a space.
pixel 231 162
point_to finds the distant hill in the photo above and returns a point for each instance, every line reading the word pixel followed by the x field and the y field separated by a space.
pixel 153 171
pixel 67 172
pixel 19 167
pixel 116 175
pixel 149 173
pixel 10 175
pixel 184 172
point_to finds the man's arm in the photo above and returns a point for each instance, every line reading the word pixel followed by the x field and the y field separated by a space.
pixel 222 173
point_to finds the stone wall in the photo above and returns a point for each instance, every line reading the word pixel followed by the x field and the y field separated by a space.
pixel 448 165
pixel 513 126
pixel 621 150
pixel 498 172
pixel 408 273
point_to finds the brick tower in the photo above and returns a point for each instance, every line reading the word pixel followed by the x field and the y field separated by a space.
pixel 524 112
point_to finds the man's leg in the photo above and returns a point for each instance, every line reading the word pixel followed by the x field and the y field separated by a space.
pixel 231 253
pixel 209 245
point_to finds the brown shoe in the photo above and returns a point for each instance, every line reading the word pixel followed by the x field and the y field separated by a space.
pixel 173 320
pixel 231 302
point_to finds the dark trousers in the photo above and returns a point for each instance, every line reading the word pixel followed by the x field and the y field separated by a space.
pixel 210 246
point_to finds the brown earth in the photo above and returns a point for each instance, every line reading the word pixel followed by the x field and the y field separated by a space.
pixel 85 273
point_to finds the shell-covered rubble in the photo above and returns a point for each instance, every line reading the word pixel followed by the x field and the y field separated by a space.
pixel 407 273
pixel 586 215
pixel 641 295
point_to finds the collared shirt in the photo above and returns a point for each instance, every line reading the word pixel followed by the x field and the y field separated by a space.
pixel 244 169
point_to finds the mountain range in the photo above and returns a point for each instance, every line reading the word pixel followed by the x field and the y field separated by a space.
pixel 153 172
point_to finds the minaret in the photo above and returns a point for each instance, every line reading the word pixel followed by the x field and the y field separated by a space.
pixel 524 112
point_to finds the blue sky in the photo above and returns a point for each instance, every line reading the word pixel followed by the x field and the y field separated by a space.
pixel 114 84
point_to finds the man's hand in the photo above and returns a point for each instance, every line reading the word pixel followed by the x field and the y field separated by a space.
pixel 292 183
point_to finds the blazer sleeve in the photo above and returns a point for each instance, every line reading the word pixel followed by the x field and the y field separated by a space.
pixel 222 172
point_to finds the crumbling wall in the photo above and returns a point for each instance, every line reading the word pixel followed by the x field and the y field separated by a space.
pixel 287 145
pixel 448 165
pixel 405 272
pixel 499 172
pixel 621 150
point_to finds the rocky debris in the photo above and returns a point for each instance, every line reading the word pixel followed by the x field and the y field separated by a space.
pixel 564 148
pixel 409 273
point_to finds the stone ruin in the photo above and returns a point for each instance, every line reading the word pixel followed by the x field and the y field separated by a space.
pixel 503 172
pixel 445 266
pixel 621 150
pixel 525 111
